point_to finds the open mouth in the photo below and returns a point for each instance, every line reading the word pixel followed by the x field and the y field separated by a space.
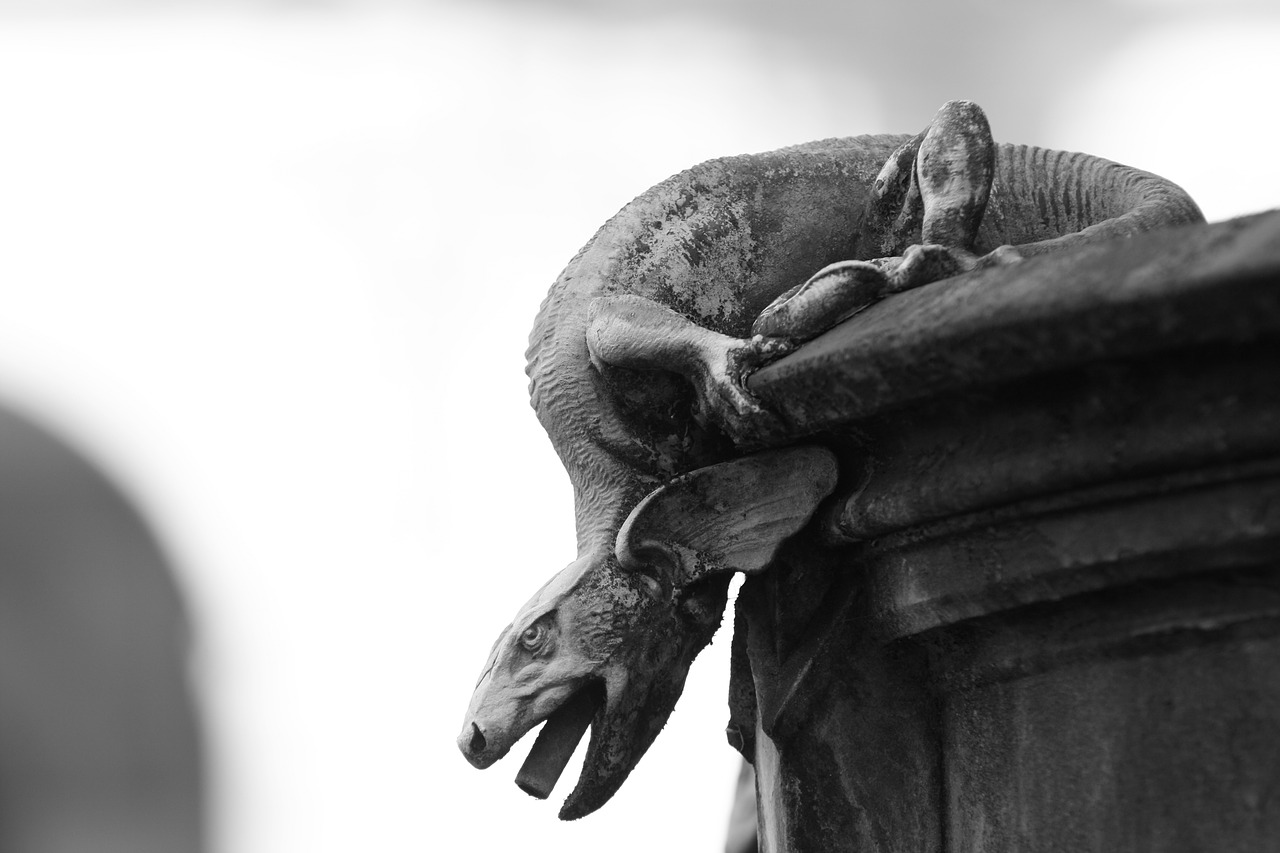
pixel 558 739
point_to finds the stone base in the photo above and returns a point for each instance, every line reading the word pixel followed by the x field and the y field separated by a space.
pixel 1042 612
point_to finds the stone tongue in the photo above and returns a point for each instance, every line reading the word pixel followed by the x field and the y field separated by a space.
pixel 555 744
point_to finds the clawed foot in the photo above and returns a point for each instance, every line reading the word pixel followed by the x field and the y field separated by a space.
pixel 840 290
pixel 1000 256
pixel 927 263
pixel 723 399
pixel 832 294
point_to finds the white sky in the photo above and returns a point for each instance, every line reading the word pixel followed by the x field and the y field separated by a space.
pixel 276 272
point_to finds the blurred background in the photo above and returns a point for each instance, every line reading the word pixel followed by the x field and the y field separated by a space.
pixel 269 268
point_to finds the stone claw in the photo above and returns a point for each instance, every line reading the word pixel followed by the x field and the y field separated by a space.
pixel 762 350
pixel 1001 256
pixel 832 294
pixel 723 398
pixel 926 263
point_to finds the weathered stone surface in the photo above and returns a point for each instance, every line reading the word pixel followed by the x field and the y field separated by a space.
pixel 1043 609
pixel 1140 719
pixel 632 621
pixel 1157 292
pixel 637 362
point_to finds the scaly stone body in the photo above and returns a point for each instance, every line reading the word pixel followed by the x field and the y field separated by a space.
pixel 637 361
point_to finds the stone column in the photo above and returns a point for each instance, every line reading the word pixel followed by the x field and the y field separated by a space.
pixel 1043 611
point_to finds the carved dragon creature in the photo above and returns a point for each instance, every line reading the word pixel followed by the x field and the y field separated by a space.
pixel 637 362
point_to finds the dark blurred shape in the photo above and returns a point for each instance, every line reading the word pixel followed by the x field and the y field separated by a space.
pixel 742 817
pixel 99 747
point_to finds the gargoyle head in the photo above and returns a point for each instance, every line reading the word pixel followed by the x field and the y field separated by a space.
pixel 617 631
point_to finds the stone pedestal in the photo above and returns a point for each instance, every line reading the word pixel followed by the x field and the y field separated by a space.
pixel 1043 611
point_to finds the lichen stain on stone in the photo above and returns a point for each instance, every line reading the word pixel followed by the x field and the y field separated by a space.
pixel 698 261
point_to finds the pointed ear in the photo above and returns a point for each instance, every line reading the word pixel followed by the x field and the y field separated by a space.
pixel 727 517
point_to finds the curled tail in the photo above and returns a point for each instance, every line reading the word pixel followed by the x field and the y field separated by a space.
pixel 1045 201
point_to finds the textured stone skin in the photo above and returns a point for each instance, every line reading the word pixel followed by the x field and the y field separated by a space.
pixel 617 634
pixel 637 362
pixel 1042 610
pixel 683 277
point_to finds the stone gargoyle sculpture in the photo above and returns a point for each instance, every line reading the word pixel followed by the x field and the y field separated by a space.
pixel 638 360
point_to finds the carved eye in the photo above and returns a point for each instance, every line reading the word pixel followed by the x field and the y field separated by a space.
pixel 648 578
pixel 533 636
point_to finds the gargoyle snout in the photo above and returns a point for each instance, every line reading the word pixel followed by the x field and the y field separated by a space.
pixel 475 746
